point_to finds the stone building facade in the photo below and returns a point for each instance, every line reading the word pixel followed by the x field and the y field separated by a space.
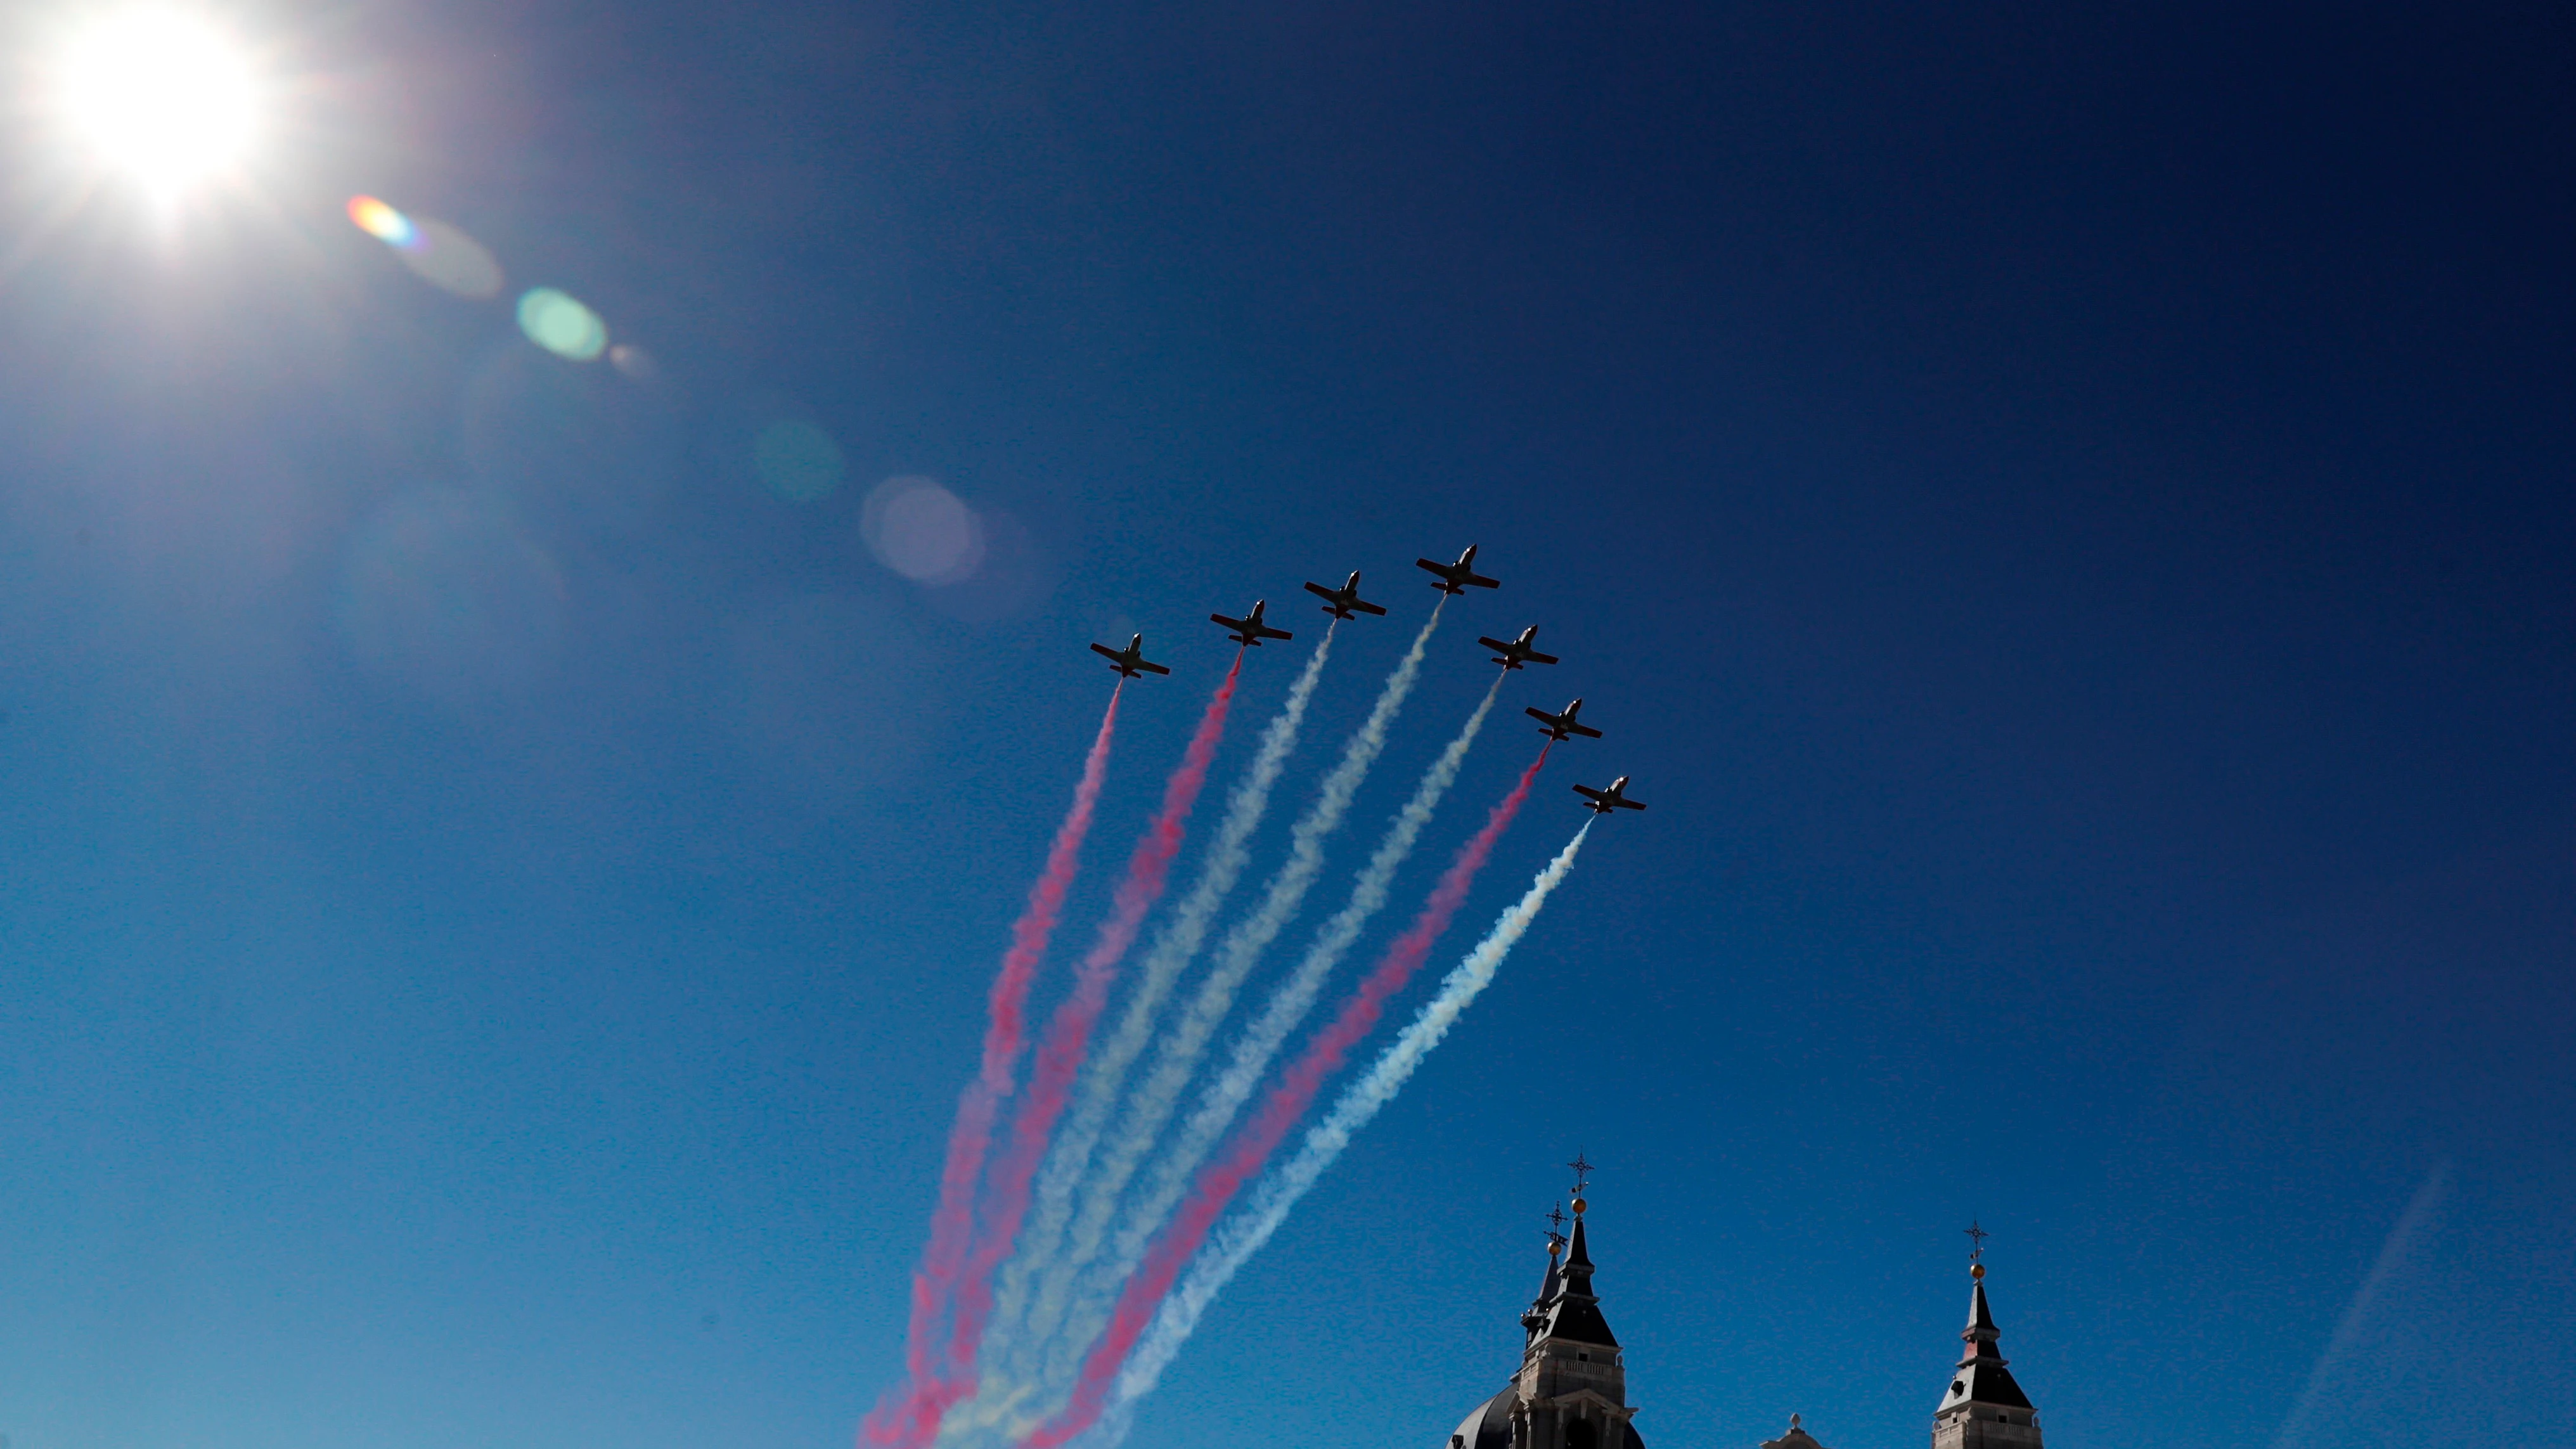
pixel 1571 1390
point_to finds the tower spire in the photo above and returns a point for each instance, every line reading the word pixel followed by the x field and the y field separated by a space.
pixel 1985 1408
pixel 1535 1317
pixel 1571 1389
pixel 1571 1311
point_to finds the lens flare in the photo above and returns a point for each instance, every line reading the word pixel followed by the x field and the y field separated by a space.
pixel 435 252
pixel 161 94
pixel 451 261
pixel 797 461
pixel 561 325
pixel 922 531
pixel 384 223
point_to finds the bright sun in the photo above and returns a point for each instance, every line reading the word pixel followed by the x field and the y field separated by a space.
pixel 161 94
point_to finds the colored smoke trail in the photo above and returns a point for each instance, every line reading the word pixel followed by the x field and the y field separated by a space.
pixel 1060 1057
pixel 1281 1015
pixel 1277 1194
pixel 1173 948
pixel 1253 1144
pixel 1151 1106
pixel 897 1417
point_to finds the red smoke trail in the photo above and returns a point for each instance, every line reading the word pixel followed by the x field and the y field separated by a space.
pixel 1257 1139
pixel 1005 1032
pixel 1060 1056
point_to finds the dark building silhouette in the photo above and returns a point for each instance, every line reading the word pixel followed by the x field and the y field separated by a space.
pixel 1571 1390
pixel 1984 1408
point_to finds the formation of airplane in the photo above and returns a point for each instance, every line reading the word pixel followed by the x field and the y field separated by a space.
pixel 1345 602
pixel 1558 726
pixel 1602 802
pixel 1340 602
pixel 1458 577
pixel 1130 661
pixel 1519 651
pixel 1249 631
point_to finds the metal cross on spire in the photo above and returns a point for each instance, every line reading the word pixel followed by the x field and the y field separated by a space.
pixel 1977 1237
pixel 1555 1219
pixel 1582 1174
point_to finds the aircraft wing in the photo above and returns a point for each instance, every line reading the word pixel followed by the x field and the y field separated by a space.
pixel 1588 793
pixel 1566 723
pixel 1365 607
pixel 1457 575
pixel 1150 667
pixel 1498 646
pixel 1319 591
pixel 1535 657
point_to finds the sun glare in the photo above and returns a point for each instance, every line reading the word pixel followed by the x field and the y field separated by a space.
pixel 161 94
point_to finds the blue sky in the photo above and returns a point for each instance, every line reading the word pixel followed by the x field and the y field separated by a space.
pixel 2064 516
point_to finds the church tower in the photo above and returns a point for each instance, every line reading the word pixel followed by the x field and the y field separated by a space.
pixel 1984 1408
pixel 1572 1390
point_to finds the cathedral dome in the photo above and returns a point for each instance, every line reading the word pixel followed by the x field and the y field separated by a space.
pixel 1489 1426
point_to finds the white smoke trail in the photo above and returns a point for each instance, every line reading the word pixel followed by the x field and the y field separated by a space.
pixel 1261 1041
pixel 1152 1104
pixel 1174 945
pixel 2393 1253
pixel 1277 1194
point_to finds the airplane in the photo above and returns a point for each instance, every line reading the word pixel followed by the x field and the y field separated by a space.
pixel 1602 802
pixel 1558 726
pixel 1130 661
pixel 1518 652
pixel 1249 631
pixel 1340 602
pixel 1456 578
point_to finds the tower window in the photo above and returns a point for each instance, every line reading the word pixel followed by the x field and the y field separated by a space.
pixel 1583 1358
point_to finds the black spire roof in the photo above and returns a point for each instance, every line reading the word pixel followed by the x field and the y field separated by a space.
pixel 1535 1318
pixel 1573 1313
pixel 1982 1377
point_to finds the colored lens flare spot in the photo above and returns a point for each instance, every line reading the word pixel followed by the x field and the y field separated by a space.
pixel 434 251
pixel 797 461
pixel 922 531
pixel 383 222
pixel 561 325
